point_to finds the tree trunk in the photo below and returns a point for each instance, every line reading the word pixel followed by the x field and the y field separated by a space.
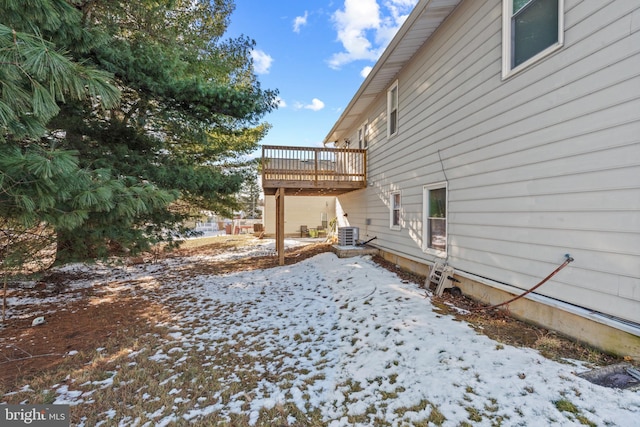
pixel 4 300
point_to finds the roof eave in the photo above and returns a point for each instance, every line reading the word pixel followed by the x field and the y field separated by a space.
pixel 391 61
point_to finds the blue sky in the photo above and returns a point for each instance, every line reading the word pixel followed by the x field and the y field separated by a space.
pixel 317 54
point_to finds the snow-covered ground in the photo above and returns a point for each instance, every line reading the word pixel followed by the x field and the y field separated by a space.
pixel 361 343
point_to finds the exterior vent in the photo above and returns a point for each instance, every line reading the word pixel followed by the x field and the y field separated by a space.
pixel 347 236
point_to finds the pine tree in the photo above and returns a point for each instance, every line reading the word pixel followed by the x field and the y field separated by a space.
pixel 250 199
pixel 35 176
pixel 189 111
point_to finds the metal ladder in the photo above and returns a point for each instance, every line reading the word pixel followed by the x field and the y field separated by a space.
pixel 442 276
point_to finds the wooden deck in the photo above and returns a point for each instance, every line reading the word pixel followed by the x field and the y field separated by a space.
pixel 308 171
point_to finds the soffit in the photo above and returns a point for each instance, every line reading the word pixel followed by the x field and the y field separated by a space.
pixel 423 21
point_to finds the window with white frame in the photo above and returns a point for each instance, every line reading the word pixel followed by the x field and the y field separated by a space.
pixel 435 218
pixel 394 220
pixel 363 136
pixel 531 29
pixel 392 110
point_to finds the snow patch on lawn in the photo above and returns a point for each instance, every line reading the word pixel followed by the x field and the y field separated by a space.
pixel 348 338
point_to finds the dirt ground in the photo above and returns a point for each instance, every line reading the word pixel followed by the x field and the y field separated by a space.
pixel 92 318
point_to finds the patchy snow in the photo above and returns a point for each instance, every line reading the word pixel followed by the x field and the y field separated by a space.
pixel 349 338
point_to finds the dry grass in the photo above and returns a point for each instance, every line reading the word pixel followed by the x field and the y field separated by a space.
pixel 127 356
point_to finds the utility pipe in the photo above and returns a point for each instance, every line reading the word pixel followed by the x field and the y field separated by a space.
pixel 542 282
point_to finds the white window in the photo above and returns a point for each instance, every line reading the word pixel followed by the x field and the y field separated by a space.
pixel 363 136
pixel 531 29
pixel 392 110
pixel 435 218
pixel 394 220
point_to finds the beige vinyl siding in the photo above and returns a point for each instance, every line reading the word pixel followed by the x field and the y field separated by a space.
pixel 355 208
pixel 543 163
pixel 298 210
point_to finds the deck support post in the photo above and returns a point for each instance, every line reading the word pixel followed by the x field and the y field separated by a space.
pixel 280 224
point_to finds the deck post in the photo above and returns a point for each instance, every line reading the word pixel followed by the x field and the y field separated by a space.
pixel 280 224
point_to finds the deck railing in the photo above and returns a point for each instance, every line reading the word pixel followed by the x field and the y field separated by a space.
pixel 313 165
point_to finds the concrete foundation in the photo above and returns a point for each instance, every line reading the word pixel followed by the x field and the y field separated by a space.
pixel 406 264
pixel 351 251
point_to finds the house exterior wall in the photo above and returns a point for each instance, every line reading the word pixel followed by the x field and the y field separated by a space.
pixel 538 165
pixel 298 210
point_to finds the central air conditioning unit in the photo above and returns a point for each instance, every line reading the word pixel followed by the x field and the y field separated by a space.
pixel 347 236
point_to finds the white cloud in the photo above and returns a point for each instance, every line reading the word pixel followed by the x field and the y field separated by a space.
pixel 365 71
pixel 261 61
pixel 365 28
pixel 316 105
pixel 300 21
